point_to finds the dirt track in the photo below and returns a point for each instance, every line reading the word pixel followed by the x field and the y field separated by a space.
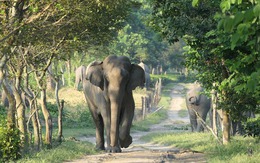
pixel 143 152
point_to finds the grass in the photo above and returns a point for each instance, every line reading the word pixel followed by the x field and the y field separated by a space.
pixel 68 150
pixel 183 113
pixel 235 152
pixel 78 132
pixel 151 119
pixel 78 123
pixel 157 117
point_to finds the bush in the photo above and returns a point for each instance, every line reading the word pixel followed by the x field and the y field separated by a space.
pixel 79 118
pixel 252 127
pixel 53 109
pixel 9 141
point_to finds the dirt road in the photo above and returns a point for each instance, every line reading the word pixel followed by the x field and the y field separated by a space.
pixel 142 152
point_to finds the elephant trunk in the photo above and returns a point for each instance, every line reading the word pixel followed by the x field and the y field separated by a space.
pixel 115 103
pixel 193 100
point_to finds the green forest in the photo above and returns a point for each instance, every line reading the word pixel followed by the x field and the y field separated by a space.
pixel 42 43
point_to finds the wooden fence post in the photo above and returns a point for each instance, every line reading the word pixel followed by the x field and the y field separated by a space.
pixel 143 106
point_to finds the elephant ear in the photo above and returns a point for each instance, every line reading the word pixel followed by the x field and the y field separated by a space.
pixel 94 73
pixel 137 78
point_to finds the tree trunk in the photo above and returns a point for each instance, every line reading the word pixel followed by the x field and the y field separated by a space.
pixel 68 64
pixel 226 127
pixel 48 120
pixel 225 115
pixel 214 113
pixel 40 127
pixel 21 119
pixel 50 82
pixel 35 123
pixel 36 142
pixel 11 108
pixel 2 64
pixel 60 135
pixel 60 109
pixel 33 112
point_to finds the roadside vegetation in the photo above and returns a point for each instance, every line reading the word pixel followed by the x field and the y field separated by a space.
pixel 78 123
pixel 42 43
pixel 240 149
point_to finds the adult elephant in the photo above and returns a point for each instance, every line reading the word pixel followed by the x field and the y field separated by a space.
pixel 147 74
pixel 198 104
pixel 108 92
pixel 79 76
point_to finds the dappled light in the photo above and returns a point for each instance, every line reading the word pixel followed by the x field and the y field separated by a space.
pixel 83 77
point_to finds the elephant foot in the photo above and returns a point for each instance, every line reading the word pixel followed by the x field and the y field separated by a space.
pixel 100 147
pixel 124 143
pixel 114 149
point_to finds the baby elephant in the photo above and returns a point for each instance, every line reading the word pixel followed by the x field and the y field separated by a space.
pixel 198 102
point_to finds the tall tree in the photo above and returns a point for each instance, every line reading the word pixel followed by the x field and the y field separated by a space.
pixel 34 33
pixel 210 50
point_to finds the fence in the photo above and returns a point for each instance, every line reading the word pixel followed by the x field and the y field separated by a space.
pixel 151 100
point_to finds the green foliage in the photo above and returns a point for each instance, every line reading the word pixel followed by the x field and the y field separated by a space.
pixel 223 48
pixel 68 150
pixel 167 79
pixel 252 127
pixel 9 142
pixel 139 42
pixel 78 118
pixel 53 109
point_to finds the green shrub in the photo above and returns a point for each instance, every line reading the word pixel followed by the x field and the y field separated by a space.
pixel 9 141
pixel 252 127
pixel 53 109
pixel 68 150
pixel 79 118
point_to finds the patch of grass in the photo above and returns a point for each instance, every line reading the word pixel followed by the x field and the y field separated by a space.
pixel 78 132
pixel 166 95
pixel 183 113
pixel 68 150
pixel 157 117
pixel 236 151
pixel 151 119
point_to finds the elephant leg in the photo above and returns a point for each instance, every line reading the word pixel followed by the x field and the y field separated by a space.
pixel 98 120
pixel 193 120
pixel 126 119
pixel 200 126
pixel 107 123
pixel 100 133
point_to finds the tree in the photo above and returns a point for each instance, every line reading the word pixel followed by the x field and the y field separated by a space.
pixel 34 33
pixel 140 42
pixel 210 51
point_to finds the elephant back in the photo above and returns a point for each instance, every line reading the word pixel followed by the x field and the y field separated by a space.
pixel 145 67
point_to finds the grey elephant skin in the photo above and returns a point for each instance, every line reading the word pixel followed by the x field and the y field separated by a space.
pixel 79 76
pixel 108 89
pixel 147 74
pixel 198 102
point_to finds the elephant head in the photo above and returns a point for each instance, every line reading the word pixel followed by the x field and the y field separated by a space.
pixel 117 77
pixel 101 74
pixel 194 96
